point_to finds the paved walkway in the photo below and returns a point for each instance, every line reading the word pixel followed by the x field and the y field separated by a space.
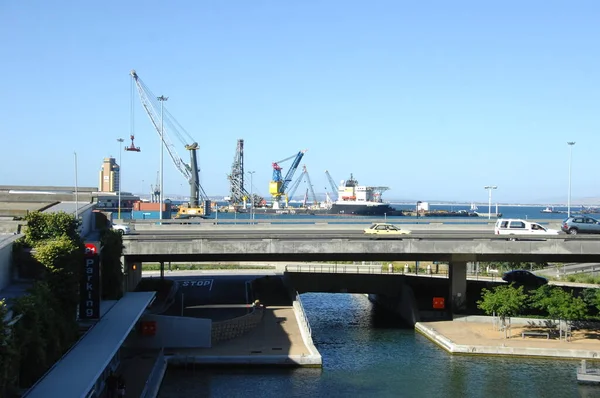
pixel 481 337
pixel 277 334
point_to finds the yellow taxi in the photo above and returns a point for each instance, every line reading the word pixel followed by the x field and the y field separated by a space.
pixel 384 229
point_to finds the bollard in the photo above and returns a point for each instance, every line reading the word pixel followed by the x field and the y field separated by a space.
pixel 406 268
pixel 390 268
pixel 429 269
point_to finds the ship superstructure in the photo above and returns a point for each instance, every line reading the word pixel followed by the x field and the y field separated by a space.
pixel 354 199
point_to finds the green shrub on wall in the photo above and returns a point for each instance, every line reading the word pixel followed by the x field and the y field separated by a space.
pixel 47 326
pixel 112 269
pixel 8 357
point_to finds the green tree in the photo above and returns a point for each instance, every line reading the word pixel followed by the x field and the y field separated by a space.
pixel 112 268
pixel 8 356
pixel 504 301
pixel 43 226
pixel 559 305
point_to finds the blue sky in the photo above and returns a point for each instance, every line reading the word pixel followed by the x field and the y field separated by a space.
pixel 435 99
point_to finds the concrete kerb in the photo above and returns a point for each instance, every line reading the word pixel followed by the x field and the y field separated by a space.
pixel 315 357
pixel 502 350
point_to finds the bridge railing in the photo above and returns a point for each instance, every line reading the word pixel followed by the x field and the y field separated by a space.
pixel 386 269
pixel 305 322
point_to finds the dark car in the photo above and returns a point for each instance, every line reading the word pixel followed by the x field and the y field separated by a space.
pixel 523 277
pixel 581 225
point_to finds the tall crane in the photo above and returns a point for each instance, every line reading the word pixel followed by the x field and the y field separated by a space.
pixel 334 189
pixel 164 125
pixel 304 176
pixel 237 192
pixel 278 185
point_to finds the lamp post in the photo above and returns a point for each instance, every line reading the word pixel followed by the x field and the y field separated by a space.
pixel 490 188
pixel 251 196
pixel 120 141
pixel 162 100
pixel 570 143
pixel 76 193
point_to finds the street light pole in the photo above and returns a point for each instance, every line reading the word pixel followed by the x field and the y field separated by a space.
pixel 120 141
pixel 251 196
pixel 570 143
pixel 76 190
pixel 490 188
pixel 162 99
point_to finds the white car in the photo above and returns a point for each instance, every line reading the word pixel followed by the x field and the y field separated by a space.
pixel 384 229
pixel 509 226
pixel 122 228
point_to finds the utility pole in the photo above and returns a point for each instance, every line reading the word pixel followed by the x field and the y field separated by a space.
pixel 251 197
pixel 570 143
pixel 76 190
pixel 162 99
pixel 120 141
pixel 490 188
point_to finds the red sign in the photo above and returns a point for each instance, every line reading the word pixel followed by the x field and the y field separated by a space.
pixel 438 303
pixel 91 249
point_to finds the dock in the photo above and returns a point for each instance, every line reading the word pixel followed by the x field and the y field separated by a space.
pixel 586 374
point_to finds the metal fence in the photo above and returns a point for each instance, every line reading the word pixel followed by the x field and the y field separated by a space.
pixel 389 269
pixel 305 322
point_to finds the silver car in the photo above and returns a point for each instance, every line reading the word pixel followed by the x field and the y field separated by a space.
pixel 581 225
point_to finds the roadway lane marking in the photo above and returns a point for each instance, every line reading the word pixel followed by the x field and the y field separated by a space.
pixel 198 283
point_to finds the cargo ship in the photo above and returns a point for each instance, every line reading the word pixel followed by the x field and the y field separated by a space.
pixel 360 200
pixel 353 200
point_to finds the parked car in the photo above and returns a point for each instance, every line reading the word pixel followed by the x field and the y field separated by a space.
pixel 523 277
pixel 383 229
pixel 509 226
pixel 581 225
pixel 122 228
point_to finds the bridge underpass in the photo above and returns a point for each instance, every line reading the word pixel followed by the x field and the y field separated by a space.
pixel 456 251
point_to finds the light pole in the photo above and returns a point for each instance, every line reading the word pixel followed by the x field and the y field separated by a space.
pixel 120 141
pixel 251 196
pixel 570 143
pixel 490 188
pixel 76 189
pixel 162 99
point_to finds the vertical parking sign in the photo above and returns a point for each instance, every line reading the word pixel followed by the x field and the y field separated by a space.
pixel 89 293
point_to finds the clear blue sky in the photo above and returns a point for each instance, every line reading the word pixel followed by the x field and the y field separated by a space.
pixel 434 99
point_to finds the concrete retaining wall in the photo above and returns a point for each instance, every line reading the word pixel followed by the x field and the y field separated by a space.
pixel 232 328
pixel 6 261
pixel 174 332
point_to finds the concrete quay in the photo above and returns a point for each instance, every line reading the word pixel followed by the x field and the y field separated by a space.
pixel 475 335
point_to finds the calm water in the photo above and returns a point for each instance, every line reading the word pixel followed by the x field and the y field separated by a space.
pixel 367 353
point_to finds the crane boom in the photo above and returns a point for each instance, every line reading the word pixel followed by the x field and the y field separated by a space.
pixel 334 188
pixel 162 126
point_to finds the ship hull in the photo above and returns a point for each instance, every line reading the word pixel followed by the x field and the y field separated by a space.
pixel 337 209
pixel 364 210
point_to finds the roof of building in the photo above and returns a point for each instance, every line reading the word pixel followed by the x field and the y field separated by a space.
pixel 69 207
pixel 75 374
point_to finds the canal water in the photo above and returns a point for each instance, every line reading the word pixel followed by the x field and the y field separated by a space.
pixel 369 353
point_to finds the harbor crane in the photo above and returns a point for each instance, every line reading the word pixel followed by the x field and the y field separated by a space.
pixel 164 124
pixel 279 184
pixel 303 177
pixel 334 189
pixel 238 194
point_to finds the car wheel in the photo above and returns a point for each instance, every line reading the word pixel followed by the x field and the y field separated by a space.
pixel 121 232
pixel 572 231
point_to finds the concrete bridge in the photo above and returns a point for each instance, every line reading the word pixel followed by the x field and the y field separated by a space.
pixel 305 245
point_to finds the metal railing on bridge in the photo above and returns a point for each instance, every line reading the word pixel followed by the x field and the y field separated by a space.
pixel 389 269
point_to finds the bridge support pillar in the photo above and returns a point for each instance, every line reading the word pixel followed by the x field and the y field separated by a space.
pixel 132 274
pixel 162 270
pixel 458 285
